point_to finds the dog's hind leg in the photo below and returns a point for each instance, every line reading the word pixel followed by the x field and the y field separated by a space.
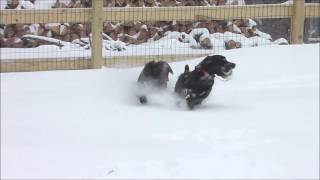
pixel 193 102
pixel 143 99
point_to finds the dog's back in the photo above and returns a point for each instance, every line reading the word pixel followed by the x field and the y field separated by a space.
pixel 155 73
pixel 194 86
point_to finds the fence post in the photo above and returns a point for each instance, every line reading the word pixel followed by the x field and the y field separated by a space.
pixel 96 29
pixel 298 21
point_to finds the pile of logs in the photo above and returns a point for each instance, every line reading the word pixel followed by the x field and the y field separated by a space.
pixel 11 35
pixel 12 4
pixel 129 33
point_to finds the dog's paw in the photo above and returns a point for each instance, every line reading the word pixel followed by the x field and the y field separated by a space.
pixel 187 93
pixel 190 96
pixel 190 105
pixel 143 99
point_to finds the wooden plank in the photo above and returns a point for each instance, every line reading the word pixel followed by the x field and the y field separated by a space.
pixel 188 13
pixel 61 15
pixel 298 21
pixel 97 29
pixel 48 64
pixel 312 10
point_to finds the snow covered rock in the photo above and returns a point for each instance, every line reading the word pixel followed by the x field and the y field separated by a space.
pixel 59 4
pixel 231 44
pixel 198 32
pixel 12 4
pixel 202 37
pixel 235 2
pixel 114 45
pixel 262 34
pixel 281 41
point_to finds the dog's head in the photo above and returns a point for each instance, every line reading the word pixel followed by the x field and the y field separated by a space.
pixel 217 65
pixel 156 73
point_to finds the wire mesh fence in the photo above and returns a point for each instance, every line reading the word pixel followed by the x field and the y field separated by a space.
pixel 312 23
pixel 80 34
pixel 37 38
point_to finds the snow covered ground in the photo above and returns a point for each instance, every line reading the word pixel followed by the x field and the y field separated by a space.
pixel 263 123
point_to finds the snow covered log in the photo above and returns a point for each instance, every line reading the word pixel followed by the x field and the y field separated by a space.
pixel 44 40
pixel 13 42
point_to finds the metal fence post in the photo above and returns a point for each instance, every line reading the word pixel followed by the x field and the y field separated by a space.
pixel 298 21
pixel 96 29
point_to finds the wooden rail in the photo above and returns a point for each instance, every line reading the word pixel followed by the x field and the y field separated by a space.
pixel 312 10
pixel 189 13
pixel 24 16
pixel 47 64
pixel 44 64
pixel 186 13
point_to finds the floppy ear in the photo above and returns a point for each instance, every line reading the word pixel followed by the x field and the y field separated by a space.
pixel 197 67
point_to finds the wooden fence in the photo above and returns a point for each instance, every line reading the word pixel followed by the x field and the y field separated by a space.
pixel 96 15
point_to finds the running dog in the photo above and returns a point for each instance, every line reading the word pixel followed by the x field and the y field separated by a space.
pixel 155 75
pixel 196 85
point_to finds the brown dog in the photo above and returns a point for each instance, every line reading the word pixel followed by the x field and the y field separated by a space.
pixel 154 74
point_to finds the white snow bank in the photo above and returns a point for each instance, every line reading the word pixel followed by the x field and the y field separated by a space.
pixel 263 123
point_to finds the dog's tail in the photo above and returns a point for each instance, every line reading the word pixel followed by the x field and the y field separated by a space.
pixel 186 68
pixel 143 99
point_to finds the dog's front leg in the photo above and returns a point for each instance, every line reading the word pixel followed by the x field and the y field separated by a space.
pixel 191 98
pixel 187 93
pixel 204 94
pixel 194 99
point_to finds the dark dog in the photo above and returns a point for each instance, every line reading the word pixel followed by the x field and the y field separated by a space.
pixel 154 74
pixel 196 85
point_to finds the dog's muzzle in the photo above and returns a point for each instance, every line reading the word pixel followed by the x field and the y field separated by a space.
pixel 227 71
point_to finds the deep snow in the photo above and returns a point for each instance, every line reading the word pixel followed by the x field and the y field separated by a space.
pixel 263 123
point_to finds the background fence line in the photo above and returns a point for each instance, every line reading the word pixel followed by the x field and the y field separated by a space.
pixel 25 16
pixel 96 15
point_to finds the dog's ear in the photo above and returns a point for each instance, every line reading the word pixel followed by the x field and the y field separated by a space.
pixel 197 68
pixel 186 68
